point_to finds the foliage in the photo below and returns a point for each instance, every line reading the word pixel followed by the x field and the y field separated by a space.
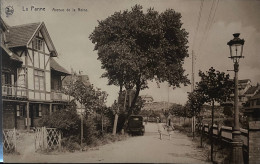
pixel 195 101
pixel 124 104
pixel 84 94
pixel 228 111
pixel 145 112
pixel 166 113
pixel 178 110
pixel 66 120
pixel 135 47
pixel 215 86
pixel 90 130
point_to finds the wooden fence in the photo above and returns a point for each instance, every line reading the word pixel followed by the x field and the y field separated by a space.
pixel 9 140
pixel 47 138
pixel 224 133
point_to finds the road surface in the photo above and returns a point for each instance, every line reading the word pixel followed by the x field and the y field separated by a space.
pixel 137 149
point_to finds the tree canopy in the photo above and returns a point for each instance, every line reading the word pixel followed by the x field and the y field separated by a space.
pixel 135 47
pixel 215 86
pixel 195 101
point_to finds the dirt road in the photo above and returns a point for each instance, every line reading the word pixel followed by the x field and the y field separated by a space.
pixel 138 149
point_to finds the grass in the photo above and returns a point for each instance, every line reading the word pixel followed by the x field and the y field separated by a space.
pixel 106 138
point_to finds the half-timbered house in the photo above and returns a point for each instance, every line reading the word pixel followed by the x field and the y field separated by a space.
pixel 31 78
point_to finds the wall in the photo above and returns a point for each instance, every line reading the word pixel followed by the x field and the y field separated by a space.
pixel 254 142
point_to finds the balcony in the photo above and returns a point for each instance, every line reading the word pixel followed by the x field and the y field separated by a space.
pixel 59 96
pixel 14 91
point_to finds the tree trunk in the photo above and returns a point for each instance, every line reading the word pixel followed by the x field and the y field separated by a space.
pixel 102 123
pixel 138 88
pixel 124 126
pixel 211 136
pixel 116 114
pixel 201 135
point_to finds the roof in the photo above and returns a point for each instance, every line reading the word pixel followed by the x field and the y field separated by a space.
pixel 3 25
pixel 244 81
pixel 72 78
pixel 251 90
pixel 12 55
pixel 256 96
pixel 57 67
pixel 21 35
pixel 146 96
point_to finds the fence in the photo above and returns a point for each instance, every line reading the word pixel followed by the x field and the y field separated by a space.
pixel 9 140
pixel 47 138
pixel 224 133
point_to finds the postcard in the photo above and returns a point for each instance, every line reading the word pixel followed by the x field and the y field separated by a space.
pixel 130 81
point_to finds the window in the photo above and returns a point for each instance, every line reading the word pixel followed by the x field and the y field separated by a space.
pixel 39 80
pixel 21 77
pixel 40 110
pixel 20 111
pixel 7 78
pixel 258 102
pixel 38 44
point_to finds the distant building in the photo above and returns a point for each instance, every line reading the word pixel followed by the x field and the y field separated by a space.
pixel 251 92
pixel 74 77
pixel 253 110
pixel 147 98
pixel 243 87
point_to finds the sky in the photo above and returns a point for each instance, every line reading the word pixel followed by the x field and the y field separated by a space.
pixel 219 19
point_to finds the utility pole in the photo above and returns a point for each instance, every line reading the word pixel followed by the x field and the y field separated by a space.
pixel 81 118
pixel 192 89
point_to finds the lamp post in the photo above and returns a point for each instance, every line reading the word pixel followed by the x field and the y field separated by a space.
pixel 236 51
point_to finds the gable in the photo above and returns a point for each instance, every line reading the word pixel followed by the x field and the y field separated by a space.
pixel 22 36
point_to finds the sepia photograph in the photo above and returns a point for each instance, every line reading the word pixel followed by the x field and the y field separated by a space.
pixel 130 81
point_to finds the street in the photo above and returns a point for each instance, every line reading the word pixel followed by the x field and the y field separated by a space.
pixel 137 149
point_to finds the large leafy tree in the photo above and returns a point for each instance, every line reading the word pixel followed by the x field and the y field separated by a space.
pixel 215 87
pixel 135 47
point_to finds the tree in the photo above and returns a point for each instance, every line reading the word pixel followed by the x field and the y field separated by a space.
pixel 135 47
pixel 228 111
pixel 101 106
pixel 195 102
pixel 215 86
pixel 84 94
pixel 178 111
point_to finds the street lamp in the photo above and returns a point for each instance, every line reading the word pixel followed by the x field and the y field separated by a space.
pixel 236 51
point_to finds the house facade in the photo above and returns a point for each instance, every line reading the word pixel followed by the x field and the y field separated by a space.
pixel 31 78
pixel 252 111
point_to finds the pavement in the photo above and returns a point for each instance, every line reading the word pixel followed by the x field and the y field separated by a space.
pixel 137 149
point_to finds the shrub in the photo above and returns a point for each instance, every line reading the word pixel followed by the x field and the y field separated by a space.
pixel 66 120
pixel 70 143
pixel 186 124
pixel 90 130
